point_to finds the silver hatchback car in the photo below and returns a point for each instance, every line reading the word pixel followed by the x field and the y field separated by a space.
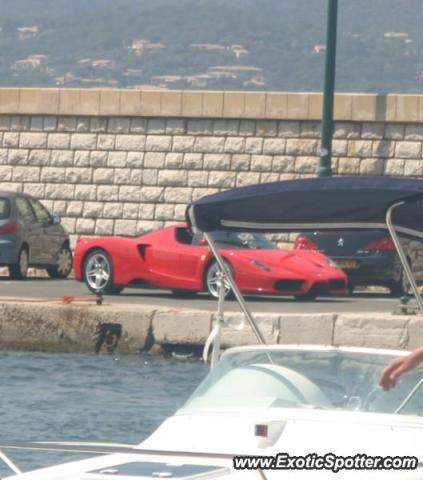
pixel 31 237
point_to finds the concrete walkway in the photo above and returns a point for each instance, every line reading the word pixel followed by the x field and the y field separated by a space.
pixel 369 300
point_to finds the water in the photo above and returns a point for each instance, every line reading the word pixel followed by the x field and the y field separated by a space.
pixel 87 397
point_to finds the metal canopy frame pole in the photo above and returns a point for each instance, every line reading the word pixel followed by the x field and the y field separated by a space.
pixel 235 289
pixel 325 165
pixel 401 254
pixel 6 460
pixel 219 321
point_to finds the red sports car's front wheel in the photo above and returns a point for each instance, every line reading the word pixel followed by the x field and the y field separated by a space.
pixel 214 280
pixel 98 273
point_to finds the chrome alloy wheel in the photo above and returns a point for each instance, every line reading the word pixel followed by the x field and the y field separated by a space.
pixel 64 262
pixel 23 263
pixel 215 279
pixel 98 271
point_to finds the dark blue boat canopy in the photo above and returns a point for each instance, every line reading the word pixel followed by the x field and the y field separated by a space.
pixel 313 204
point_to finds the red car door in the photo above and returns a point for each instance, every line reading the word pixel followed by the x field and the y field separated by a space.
pixel 176 263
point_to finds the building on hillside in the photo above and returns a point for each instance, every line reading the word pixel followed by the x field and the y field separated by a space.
pixel 103 64
pixel 33 61
pixel 209 47
pixel 65 79
pixel 148 86
pixel 199 81
pixel 401 35
pixel 100 63
pixel 133 72
pixel 258 81
pixel 236 68
pixel 140 47
pixel 164 80
pixel 85 62
pixel 320 48
pixel 26 33
pixel 239 51
pixel 70 79
pixel 233 71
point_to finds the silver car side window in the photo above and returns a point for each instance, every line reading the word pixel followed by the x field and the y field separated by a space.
pixel 25 210
pixel 4 208
pixel 41 213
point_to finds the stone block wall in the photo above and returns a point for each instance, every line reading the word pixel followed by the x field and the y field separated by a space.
pixel 126 162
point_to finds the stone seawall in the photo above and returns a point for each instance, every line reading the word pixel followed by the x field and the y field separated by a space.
pixel 126 162
pixel 71 328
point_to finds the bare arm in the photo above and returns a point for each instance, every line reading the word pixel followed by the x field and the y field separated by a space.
pixel 398 366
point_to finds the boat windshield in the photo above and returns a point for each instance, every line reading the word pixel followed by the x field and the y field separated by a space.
pixel 297 378
pixel 238 240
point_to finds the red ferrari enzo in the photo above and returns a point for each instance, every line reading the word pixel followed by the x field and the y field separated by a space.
pixel 176 259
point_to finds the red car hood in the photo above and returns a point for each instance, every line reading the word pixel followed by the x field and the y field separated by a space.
pixel 295 261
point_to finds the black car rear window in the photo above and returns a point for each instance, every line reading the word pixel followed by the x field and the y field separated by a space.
pixel 4 208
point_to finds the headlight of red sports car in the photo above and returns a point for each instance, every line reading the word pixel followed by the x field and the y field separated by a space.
pixel 259 264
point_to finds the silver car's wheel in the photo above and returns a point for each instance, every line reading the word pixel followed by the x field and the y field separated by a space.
pixel 23 263
pixel 64 264
pixel 214 280
pixel 19 270
pixel 98 273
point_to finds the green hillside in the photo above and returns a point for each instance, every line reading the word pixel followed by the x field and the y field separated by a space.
pixel 212 44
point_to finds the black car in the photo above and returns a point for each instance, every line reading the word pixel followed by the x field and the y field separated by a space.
pixel 368 257
pixel 31 237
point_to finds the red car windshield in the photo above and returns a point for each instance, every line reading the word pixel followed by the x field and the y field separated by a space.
pixel 238 240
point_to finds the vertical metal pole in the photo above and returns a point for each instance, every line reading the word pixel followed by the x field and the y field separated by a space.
pixel 235 289
pixel 402 256
pixel 325 165
pixel 219 321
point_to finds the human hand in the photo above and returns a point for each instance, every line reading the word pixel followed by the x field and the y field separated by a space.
pixel 397 367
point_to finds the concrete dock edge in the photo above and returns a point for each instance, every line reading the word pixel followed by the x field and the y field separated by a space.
pixel 71 328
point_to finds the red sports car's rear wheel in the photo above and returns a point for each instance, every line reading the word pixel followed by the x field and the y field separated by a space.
pixel 98 273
